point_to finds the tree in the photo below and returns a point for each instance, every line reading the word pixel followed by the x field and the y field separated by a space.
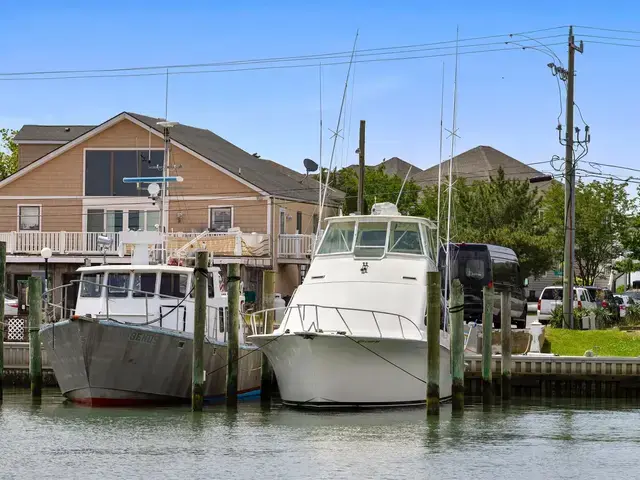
pixel 602 223
pixel 500 211
pixel 8 153
pixel 378 187
pixel 627 267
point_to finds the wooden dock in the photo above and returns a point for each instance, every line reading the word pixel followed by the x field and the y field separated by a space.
pixel 554 376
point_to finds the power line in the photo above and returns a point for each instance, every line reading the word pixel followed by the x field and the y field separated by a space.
pixel 611 38
pixel 607 29
pixel 362 52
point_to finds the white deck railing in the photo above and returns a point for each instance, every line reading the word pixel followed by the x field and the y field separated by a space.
pixel 290 246
pixel 295 246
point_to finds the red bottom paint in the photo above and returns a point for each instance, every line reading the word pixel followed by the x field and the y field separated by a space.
pixel 142 402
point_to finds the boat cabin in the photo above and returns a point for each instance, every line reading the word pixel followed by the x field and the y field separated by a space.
pixel 156 295
pixel 368 263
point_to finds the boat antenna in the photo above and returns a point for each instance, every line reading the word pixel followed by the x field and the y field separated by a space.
pixel 453 146
pixel 440 161
pixel 336 134
pixel 402 187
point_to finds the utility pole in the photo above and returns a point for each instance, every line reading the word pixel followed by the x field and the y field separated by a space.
pixel 361 169
pixel 569 191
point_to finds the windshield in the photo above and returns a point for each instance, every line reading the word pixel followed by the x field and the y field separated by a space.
pixel 371 239
pixel 339 238
pixel 405 238
pixel 91 284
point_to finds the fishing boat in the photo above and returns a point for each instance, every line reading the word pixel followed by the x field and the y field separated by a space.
pixel 354 333
pixel 129 340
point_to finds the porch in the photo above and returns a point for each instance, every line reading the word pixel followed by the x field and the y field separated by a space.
pixel 248 248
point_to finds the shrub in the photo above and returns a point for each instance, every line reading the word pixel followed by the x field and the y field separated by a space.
pixel 632 318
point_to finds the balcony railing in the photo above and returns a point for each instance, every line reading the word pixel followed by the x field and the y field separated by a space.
pixel 294 246
pixel 226 244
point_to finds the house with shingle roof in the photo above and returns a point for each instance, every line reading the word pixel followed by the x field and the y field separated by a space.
pixel 68 190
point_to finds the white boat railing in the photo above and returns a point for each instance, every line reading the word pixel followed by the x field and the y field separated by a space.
pixel 356 321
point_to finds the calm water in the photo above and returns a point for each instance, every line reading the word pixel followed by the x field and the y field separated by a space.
pixel 551 440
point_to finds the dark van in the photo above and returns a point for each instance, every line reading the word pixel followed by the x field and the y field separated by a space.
pixel 477 265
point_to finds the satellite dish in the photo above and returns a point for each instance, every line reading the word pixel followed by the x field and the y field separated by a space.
pixel 310 165
pixel 153 189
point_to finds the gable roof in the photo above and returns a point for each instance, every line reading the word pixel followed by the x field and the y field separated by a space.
pixel 264 176
pixel 397 166
pixel 480 163
pixel 50 133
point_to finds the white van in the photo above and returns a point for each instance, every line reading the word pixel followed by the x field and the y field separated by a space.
pixel 551 297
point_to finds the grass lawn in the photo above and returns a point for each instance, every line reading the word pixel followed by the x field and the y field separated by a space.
pixel 610 343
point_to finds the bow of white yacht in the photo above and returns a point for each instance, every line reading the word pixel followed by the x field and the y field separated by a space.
pixel 354 333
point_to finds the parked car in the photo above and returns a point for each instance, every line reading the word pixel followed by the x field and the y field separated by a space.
pixel 603 297
pixel 551 297
pixel 624 302
pixel 634 294
pixel 10 305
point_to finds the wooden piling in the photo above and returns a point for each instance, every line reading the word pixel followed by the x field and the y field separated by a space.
pixel 433 343
pixel 233 289
pixel 487 327
pixel 35 347
pixel 199 320
pixel 268 301
pixel 456 312
pixel 3 263
pixel 505 333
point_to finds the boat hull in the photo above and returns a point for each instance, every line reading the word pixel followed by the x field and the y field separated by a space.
pixel 105 363
pixel 317 370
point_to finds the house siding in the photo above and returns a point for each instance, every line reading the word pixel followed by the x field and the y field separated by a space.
pixel 29 153
pixel 56 215
pixel 248 215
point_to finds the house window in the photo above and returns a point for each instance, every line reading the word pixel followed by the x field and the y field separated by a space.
pixel 299 222
pixel 105 169
pixel 220 219
pixel 143 220
pixel 283 219
pixel 29 218
pixel 315 223
pixel 95 220
pixel 114 220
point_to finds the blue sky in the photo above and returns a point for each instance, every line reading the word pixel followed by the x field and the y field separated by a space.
pixel 507 99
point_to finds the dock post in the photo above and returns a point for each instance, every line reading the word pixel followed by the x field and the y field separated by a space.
pixel 433 343
pixel 505 333
pixel 487 327
pixel 3 263
pixel 35 347
pixel 233 289
pixel 199 319
pixel 268 301
pixel 456 313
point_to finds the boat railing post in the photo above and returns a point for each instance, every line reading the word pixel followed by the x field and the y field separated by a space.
pixel 146 310
pixel 199 317
pixel 401 329
pixel 377 325
pixel 433 343
pixel 107 299
pixel 317 317
pixel 35 347
pixel 233 283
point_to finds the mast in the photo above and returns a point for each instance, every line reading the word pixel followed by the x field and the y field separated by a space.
pixel 440 165
pixel 447 273
pixel 320 162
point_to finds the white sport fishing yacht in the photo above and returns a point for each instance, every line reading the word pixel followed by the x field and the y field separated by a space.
pixel 130 338
pixel 354 333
